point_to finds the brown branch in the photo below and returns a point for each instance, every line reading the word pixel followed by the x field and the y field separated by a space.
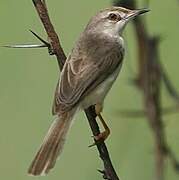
pixel 149 82
pixel 40 5
pixel 52 35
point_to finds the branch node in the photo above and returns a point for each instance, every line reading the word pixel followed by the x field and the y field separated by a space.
pixel 48 45
pixel 103 172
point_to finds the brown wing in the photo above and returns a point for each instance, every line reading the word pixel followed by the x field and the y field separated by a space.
pixel 81 76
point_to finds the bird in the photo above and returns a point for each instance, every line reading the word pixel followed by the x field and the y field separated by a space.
pixel 87 76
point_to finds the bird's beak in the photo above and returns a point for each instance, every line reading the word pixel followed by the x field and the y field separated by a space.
pixel 134 13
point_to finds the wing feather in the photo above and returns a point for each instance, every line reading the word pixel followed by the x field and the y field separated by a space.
pixel 80 76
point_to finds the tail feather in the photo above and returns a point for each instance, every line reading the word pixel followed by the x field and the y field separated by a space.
pixel 52 145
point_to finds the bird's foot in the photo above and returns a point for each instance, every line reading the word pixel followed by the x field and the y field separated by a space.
pixel 101 137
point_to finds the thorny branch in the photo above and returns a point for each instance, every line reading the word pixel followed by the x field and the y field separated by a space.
pixel 40 5
pixel 52 35
pixel 150 75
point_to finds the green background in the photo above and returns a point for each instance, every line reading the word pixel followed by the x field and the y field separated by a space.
pixel 28 79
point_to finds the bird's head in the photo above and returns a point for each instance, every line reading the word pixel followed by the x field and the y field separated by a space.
pixel 113 20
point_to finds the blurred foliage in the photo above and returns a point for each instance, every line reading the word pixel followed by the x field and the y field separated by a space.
pixel 28 79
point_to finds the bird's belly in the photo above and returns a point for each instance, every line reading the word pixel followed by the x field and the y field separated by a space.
pixel 99 93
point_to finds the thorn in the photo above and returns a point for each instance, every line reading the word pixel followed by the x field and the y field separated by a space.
pixel 92 145
pixel 45 44
pixel 39 38
pixel 25 46
pixel 48 45
pixel 103 173
pixel 97 141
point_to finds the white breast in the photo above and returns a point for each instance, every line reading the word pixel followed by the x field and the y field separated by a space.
pixel 98 94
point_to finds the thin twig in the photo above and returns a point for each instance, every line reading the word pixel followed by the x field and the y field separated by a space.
pixel 109 172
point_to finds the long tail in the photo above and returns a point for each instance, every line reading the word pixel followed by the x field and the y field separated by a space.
pixel 52 145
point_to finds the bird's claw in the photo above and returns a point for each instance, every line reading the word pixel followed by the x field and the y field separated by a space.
pixel 101 137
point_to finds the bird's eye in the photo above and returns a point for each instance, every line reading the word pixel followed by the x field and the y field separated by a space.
pixel 114 17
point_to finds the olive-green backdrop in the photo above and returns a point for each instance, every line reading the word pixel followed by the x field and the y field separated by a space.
pixel 28 79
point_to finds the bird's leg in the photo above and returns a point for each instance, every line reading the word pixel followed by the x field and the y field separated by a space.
pixel 103 135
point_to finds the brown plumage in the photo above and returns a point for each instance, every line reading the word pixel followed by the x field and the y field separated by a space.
pixel 87 76
pixel 52 145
